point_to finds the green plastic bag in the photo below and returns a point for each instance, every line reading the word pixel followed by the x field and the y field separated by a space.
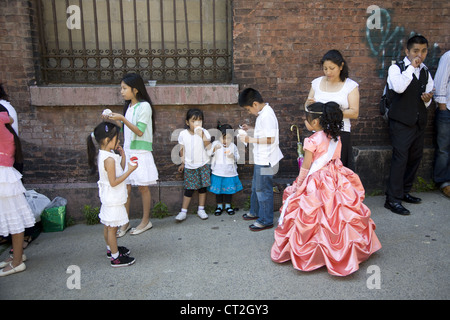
pixel 53 218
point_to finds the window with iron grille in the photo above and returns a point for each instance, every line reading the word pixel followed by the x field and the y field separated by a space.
pixel 171 41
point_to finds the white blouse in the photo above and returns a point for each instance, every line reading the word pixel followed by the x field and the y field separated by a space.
pixel 340 97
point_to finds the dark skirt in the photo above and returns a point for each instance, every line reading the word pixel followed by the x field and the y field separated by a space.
pixel 195 179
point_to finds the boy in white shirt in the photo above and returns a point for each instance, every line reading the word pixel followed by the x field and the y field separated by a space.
pixel 266 155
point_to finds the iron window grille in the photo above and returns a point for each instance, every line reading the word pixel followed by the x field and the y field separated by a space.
pixel 171 41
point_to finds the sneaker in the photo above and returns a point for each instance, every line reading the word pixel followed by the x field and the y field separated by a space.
pixel 181 216
pixel 122 261
pixel 202 214
pixel 122 250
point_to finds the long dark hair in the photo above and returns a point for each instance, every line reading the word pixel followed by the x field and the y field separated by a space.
pixel 330 116
pixel 3 94
pixel 135 81
pixel 101 132
pixel 336 57
pixel 18 155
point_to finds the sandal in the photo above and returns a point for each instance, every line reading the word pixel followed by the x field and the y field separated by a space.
pixel 258 227
pixel 218 211
pixel 248 216
pixel 230 211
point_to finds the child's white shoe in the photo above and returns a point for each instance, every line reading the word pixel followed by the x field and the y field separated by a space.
pixel 181 216
pixel 202 214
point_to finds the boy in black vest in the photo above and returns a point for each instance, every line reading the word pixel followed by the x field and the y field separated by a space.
pixel 411 95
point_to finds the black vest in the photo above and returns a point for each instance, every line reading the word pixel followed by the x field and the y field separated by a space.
pixel 408 107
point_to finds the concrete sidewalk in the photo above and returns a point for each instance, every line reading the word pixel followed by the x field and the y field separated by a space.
pixel 220 258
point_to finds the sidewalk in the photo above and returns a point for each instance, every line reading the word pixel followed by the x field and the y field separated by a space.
pixel 220 259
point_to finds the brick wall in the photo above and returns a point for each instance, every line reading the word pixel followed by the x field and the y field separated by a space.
pixel 277 46
pixel 18 39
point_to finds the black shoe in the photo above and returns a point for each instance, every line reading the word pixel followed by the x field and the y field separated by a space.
pixel 122 261
pixel 258 227
pixel 410 199
pixel 122 250
pixel 248 216
pixel 397 208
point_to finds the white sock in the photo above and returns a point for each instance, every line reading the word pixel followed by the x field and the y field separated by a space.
pixel 227 205
pixel 108 248
pixel 183 210
pixel 201 208
pixel 115 255
pixel 220 205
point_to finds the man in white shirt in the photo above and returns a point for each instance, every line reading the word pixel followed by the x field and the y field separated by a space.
pixel 442 97
pixel 411 95
pixel 266 155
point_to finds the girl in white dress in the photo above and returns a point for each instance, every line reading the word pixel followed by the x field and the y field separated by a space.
pixel 15 213
pixel 112 188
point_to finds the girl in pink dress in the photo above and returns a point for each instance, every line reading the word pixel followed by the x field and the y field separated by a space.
pixel 323 220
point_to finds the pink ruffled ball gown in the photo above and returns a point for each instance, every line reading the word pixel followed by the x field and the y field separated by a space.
pixel 325 221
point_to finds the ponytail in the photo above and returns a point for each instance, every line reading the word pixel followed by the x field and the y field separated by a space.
pixel 105 130
pixel 330 116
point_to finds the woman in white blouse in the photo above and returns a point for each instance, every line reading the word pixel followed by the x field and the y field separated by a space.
pixel 336 86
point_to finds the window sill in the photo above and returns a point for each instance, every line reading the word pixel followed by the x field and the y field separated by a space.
pixel 96 95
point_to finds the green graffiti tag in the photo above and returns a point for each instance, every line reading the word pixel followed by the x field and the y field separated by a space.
pixel 388 46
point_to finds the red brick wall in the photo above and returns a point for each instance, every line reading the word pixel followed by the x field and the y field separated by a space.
pixel 17 46
pixel 278 46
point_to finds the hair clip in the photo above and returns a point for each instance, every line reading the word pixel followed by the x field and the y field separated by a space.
pixel 92 135
pixel 316 112
pixel 106 128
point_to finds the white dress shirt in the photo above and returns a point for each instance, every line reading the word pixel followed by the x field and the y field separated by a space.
pixel 442 80
pixel 399 81
pixel 266 126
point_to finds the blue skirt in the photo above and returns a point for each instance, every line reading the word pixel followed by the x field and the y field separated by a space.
pixel 225 185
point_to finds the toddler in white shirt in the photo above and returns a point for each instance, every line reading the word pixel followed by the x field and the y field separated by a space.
pixel 224 178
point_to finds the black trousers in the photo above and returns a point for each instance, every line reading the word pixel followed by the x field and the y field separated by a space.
pixel 347 151
pixel 407 151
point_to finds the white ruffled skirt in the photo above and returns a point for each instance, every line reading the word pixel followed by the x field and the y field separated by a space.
pixel 146 174
pixel 15 213
pixel 113 216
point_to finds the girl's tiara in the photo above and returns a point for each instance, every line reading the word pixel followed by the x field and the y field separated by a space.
pixel 316 112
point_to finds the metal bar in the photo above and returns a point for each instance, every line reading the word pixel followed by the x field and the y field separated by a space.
pixel 202 60
pixel 108 18
pixel 186 25
pixel 163 50
pixel 55 25
pixel 43 47
pixel 122 22
pixel 69 31
pixel 136 41
pixel 175 35
pixel 83 39
pixel 149 27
